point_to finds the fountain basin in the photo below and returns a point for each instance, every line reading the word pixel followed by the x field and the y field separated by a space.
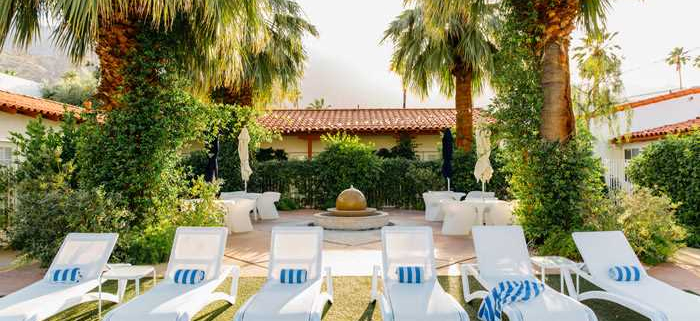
pixel 369 211
pixel 369 221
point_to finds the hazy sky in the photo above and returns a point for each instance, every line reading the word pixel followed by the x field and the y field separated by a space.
pixel 347 66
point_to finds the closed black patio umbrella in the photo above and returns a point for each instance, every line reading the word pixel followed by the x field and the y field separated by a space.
pixel 447 150
pixel 212 172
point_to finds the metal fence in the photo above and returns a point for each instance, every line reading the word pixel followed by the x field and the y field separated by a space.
pixel 615 177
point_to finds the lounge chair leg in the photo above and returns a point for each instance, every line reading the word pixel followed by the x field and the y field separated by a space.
pixel 375 277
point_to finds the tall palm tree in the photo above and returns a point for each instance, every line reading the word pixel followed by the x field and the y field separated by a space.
pixel 111 29
pixel 275 62
pixel 677 58
pixel 456 54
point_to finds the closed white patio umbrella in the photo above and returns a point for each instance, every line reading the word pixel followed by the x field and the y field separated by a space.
pixel 482 169
pixel 243 154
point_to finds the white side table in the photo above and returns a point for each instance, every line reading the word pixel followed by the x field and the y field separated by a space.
pixel 555 262
pixel 125 273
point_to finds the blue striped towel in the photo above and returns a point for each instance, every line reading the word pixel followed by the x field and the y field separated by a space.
pixel 66 276
pixel 624 273
pixel 505 293
pixel 292 276
pixel 187 276
pixel 410 274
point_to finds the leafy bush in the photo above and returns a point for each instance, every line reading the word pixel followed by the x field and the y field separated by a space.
pixel 650 226
pixel 346 161
pixel 8 187
pixel 670 167
pixel 287 204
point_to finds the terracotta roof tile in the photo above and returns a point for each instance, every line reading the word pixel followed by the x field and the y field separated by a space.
pixel 32 106
pixel 660 98
pixel 658 132
pixel 360 120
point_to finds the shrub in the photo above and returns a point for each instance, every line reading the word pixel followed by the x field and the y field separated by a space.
pixel 670 167
pixel 346 161
pixel 287 204
pixel 650 226
pixel 72 88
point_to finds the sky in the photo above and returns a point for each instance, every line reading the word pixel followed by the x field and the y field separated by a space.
pixel 348 66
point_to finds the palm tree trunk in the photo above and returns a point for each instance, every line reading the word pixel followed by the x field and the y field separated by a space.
pixel 680 77
pixel 464 106
pixel 557 115
pixel 116 41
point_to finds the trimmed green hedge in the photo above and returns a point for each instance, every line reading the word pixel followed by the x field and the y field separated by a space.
pixel 395 182
pixel 671 167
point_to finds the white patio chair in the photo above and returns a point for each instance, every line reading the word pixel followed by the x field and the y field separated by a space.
pixel 200 248
pixel 433 201
pixel 238 210
pixel 502 255
pixel 425 301
pixel 292 248
pixel 480 194
pixel 44 298
pixel 649 297
pixel 232 195
pixel 499 213
pixel 460 217
pixel 266 205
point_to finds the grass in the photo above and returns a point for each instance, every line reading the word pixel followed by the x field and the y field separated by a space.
pixel 351 301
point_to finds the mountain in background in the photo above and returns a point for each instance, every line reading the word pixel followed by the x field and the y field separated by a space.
pixel 42 61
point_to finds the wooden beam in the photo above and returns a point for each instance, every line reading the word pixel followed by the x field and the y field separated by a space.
pixel 309 148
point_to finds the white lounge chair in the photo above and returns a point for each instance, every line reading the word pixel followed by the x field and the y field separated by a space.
pixel 42 299
pixel 502 255
pixel 292 248
pixel 200 248
pixel 649 297
pixel 266 205
pixel 425 301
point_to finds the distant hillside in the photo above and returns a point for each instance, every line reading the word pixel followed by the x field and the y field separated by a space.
pixel 40 62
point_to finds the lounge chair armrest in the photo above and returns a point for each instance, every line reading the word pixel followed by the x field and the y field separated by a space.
pixel 235 276
pixel 375 278
pixel 329 281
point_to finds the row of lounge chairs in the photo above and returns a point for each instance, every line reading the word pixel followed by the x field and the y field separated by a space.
pixel 501 252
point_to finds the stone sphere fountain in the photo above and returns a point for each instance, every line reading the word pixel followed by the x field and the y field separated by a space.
pixel 351 213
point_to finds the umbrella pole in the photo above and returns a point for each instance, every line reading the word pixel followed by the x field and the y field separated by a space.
pixel 448 184
pixel 245 186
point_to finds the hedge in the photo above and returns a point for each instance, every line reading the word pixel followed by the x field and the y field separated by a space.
pixel 397 182
pixel 670 167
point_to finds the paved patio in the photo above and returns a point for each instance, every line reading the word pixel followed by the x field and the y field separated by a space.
pixel 354 253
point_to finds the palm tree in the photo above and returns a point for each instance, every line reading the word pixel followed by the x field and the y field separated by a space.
pixel 111 29
pixel 456 54
pixel 556 19
pixel 677 58
pixel 599 69
pixel 318 103
pixel 277 62
pixel 697 62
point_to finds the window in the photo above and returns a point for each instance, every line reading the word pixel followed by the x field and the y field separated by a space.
pixel 631 153
pixel 5 156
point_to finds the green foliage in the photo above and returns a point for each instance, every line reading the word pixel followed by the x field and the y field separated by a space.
pixel 133 150
pixel 649 223
pixel 266 154
pixel 558 186
pixel 670 167
pixel 287 204
pixel 345 162
pixel 47 207
pixel 405 148
pixel 71 89
pixel 8 189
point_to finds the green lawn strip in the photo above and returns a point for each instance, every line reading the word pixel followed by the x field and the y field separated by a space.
pixel 351 301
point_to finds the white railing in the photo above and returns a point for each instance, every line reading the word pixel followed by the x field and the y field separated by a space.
pixel 615 176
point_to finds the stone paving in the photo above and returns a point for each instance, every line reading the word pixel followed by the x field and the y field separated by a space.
pixel 354 253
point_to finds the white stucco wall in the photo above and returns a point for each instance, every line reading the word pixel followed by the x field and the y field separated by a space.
pixel 641 118
pixel 16 123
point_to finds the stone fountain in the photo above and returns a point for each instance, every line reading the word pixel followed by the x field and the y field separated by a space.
pixel 351 213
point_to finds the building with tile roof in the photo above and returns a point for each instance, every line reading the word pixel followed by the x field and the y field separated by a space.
pixel 640 123
pixel 16 110
pixel 301 129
